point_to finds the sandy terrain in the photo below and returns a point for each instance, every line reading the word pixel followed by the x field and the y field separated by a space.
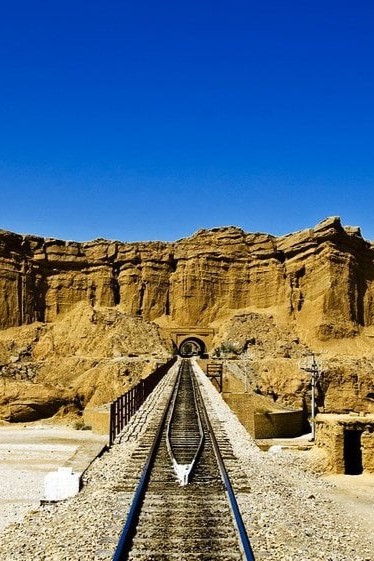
pixel 28 453
pixel 353 493
pixel 356 494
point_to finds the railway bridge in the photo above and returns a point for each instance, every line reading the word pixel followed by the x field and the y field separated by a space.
pixel 163 489
pixel 182 481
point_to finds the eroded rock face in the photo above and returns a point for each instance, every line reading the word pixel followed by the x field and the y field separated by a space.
pixel 321 277
pixel 73 316
pixel 88 356
pixel 274 359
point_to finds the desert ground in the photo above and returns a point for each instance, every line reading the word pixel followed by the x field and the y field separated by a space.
pixel 28 452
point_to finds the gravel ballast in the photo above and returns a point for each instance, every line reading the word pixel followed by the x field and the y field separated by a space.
pixel 289 512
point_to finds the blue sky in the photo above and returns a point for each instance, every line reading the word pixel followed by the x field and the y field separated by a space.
pixel 137 120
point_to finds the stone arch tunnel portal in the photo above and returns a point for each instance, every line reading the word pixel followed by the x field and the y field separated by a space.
pixel 192 339
pixel 192 346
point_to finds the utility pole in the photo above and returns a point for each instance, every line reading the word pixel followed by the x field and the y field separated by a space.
pixel 315 373
pixel 246 360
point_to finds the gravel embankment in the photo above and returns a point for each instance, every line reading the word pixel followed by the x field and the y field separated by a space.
pixel 290 513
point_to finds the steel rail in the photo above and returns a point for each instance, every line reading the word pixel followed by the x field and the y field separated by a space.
pixel 127 534
pixel 125 540
pixel 184 471
pixel 244 540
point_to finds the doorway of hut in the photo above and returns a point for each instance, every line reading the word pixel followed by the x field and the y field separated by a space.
pixel 352 452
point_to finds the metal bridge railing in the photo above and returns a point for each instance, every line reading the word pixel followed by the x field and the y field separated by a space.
pixel 125 406
pixel 214 371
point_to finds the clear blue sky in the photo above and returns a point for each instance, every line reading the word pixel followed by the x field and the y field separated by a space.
pixel 139 119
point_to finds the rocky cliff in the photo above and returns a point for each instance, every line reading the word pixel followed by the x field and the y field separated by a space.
pixel 82 322
pixel 87 357
pixel 321 278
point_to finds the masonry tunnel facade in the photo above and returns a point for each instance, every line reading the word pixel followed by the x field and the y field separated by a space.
pixel 192 346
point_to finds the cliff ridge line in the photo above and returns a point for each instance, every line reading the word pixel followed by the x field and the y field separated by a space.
pixel 320 278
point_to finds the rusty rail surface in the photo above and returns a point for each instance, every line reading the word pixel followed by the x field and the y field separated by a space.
pixel 125 406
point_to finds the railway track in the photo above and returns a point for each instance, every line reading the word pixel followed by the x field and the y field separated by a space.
pixel 184 506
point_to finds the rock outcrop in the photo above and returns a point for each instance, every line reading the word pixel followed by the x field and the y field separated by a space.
pixel 321 278
pixel 72 315
pixel 273 356
pixel 89 356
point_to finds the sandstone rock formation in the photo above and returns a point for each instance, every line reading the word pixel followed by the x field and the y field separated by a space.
pixel 321 277
pixel 72 313
pixel 87 357
pixel 272 354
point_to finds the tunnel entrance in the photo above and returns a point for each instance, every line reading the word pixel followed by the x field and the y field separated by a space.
pixel 192 347
pixel 352 452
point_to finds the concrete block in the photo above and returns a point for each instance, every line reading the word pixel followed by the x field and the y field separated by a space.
pixel 61 484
